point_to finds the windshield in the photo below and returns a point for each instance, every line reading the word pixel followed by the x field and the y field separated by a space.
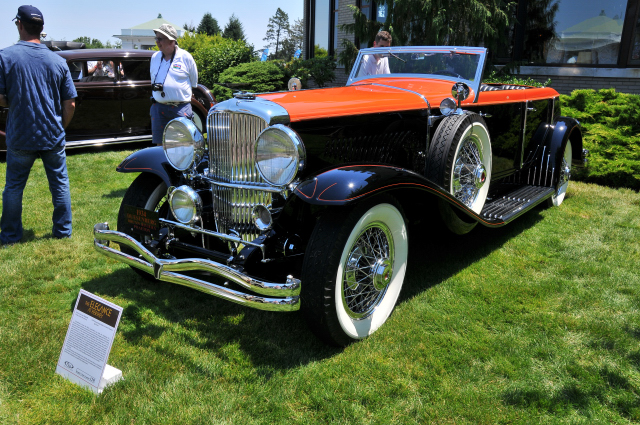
pixel 459 65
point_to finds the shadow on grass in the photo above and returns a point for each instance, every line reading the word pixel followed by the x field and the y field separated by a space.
pixel 272 340
pixel 280 340
pixel 435 254
pixel 118 194
pixel 613 389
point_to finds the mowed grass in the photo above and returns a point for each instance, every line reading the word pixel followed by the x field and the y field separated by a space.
pixel 535 322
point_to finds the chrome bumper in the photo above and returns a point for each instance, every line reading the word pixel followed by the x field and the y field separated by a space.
pixel 164 269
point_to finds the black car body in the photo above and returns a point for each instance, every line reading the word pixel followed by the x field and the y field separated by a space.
pixel 301 199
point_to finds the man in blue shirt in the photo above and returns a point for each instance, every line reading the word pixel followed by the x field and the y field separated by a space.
pixel 36 86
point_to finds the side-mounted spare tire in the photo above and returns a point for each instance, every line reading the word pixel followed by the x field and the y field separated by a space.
pixel 460 161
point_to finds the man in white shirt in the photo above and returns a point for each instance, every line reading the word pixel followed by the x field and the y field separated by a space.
pixel 376 64
pixel 173 74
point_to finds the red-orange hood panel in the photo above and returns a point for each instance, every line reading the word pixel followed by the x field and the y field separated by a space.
pixel 366 98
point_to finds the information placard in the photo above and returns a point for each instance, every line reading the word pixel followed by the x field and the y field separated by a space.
pixel 86 347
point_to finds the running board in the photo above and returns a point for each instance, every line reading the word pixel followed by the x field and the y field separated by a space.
pixel 511 205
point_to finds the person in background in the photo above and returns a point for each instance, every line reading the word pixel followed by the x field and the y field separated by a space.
pixel 377 64
pixel 173 75
pixel 36 86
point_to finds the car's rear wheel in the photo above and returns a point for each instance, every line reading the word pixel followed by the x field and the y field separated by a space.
pixel 563 178
pixel 353 271
pixel 149 192
pixel 460 161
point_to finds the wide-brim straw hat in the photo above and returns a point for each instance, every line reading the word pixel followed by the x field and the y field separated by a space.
pixel 168 31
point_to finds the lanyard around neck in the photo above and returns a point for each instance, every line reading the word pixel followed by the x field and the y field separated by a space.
pixel 168 69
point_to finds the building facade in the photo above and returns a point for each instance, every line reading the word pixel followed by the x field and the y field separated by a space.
pixel 142 36
pixel 575 43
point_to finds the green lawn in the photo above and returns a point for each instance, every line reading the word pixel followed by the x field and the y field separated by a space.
pixel 536 322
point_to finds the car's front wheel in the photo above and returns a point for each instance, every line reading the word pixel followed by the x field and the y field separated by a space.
pixel 353 271
pixel 150 193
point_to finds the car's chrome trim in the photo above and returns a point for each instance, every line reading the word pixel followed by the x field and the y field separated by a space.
pixel 407 90
pixel 267 188
pixel 269 111
pixel 106 141
pixel 222 236
pixel 163 269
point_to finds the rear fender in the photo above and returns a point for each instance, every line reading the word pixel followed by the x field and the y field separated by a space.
pixel 150 160
pixel 564 129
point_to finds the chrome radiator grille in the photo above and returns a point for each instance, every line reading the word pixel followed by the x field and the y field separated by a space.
pixel 232 139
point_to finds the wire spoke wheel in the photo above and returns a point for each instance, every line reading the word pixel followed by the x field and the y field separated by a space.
pixel 469 173
pixel 368 270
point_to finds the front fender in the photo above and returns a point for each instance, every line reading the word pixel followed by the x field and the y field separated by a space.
pixel 342 185
pixel 150 160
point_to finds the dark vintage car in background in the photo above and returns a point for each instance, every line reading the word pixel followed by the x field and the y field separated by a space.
pixel 301 199
pixel 114 108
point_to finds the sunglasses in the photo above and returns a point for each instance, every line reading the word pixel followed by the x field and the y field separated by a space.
pixel 161 39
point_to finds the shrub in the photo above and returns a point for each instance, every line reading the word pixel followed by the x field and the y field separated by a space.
pixel 216 54
pixel 256 77
pixel 321 70
pixel 506 78
pixel 611 131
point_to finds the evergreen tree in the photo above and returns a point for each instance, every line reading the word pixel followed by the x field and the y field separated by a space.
pixel 208 25
pixel 277 32
pixel 234 29
pixel 294 41
pixel 189 27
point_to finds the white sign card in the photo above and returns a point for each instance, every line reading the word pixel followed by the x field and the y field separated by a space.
pixel 86 347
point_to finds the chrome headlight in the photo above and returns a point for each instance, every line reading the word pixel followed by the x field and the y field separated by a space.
pixel 182 143
pixel 186 204
pixel 280 154
pixel 448 106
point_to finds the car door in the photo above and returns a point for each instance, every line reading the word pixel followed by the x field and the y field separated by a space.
pixel 97 113
pixel 134 91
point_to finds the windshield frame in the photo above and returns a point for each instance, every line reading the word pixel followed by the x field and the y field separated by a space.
pixel 475 84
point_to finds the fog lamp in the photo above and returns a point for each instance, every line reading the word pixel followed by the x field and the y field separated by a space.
pixel 186 204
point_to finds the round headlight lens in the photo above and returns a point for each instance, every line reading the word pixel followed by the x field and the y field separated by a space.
pixel 448 106
pixel 186 204
pixel 182 143
pixel 280 155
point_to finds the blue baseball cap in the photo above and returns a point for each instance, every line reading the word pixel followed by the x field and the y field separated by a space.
pixel 29 14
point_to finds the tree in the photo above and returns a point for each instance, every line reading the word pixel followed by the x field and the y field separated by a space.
pixel 277 31
pixel 234 29
pixel 437 23
pixel 189 27
pixel 208 25
pixel 90 43
pixel 294 41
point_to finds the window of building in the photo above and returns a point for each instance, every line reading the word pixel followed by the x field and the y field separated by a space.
pixel 635 43
pixel 372 10
pixel 582 32
pixel 321 30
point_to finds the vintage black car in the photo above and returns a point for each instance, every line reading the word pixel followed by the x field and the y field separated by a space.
pixel 113 107
pixel 301 199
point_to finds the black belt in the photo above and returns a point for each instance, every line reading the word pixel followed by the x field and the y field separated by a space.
pixel 173 103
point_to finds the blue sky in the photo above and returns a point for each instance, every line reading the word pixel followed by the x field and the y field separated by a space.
pixel 66 20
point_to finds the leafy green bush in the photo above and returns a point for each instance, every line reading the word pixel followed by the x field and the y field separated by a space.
pixel 506 78
pixel 255 77
pixel 215 54
pixel 321 70
pixel 611 130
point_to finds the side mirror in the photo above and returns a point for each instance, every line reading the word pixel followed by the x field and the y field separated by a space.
pixel 460 92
